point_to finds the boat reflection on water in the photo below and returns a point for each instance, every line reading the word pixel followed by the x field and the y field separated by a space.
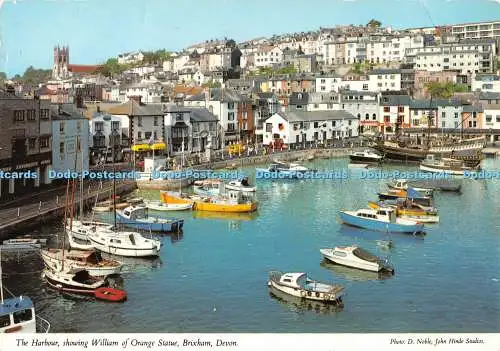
pixel 354 274
pixel 132 264
pixel 225 215
pixel 382 239
pixel 299 305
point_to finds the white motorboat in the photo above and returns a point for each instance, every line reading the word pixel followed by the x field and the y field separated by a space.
pixel 299 285
pixel 161 206
pixel 241 184
pixel 17 314
pixel 402 184
pixel 82 245
pixel 356 257
pixel 382 219
pixel 281 170
pixel 90 260
pixel 130 244
pixel 366 156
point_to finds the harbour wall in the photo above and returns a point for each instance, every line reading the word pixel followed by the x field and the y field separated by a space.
pixel 23 219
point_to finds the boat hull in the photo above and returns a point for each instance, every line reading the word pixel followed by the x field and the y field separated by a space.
pixel 214 207
pixel 154 227
pixel 380 226
pixel 306 295
pixel 364 159
pixel 431 169
pixel 365 266
pixel 96 271
pixel 123 251
pixel 168 207
pixel 61 285
pixel 245 189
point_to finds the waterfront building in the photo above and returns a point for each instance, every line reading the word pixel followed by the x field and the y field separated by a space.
pixel 234 111
pixel 190 129
pixel 473 117
pixel 393 110
pixel 492 117
pixel 107 132
pixel 265 105
pixel 363 105
pixel 449 113
pixel 25 142
pixel 486 83
pixel 314 101
pixel 300 128
pixel 145 121
pixel 70 139
pixel 268 56
pixel 468 56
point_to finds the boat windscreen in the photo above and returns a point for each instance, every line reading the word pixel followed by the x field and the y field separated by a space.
pixel 365 255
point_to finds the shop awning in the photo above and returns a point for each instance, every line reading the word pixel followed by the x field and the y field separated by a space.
pixel 140 147
pixel 159 146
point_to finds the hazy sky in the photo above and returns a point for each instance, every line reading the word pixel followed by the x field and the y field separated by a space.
pixel 98 29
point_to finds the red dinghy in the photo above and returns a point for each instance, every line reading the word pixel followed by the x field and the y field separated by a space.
pixel 110 294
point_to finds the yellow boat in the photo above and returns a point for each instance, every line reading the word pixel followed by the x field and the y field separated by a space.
pixel 224 216
pixel 233 203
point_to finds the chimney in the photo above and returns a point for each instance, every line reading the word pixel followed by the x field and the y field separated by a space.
pixel 137 98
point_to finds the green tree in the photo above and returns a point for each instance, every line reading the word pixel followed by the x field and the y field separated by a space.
pixel 287 70
pixel 374 23
pixel 212 84
pixel 111 68
pixel 444 90
pixel 3 76
pixel 34 76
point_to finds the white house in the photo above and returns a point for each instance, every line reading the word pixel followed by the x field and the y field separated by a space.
pixel 149 93
pixel 168 65
pixel 384 80
pixel 301 128
pixel 328 83
pixel 141 71
pixel 108 130
pixel 486 83
pixel 449 114
pixel 492 116
pixel 355 82
pixel 268 56
pixel 363 105
pixel 130 57
pixel 314 101
pixel 70 139
pixel 180 61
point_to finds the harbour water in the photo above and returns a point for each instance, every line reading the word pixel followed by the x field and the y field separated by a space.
pixel 212 278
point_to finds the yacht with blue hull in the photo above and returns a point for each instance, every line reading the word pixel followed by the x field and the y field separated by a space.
pixel 137 217
pixel 382 219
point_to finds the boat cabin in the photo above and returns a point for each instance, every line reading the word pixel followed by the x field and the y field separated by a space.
pixel 17 315
pixel 135 212
pixel 294 280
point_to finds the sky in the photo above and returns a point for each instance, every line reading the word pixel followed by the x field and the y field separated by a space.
pixel 96 30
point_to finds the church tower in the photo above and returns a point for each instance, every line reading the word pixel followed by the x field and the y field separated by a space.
pixel 61 62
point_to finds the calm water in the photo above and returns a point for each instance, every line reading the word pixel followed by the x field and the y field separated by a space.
pixel 213 277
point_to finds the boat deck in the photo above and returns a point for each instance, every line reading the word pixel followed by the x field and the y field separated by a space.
pixel 324 288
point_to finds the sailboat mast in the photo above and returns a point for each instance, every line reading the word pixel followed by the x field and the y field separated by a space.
pixel 65 222
pixel 114 190
pixel 81 179
pixel 74 186
pixel 1 282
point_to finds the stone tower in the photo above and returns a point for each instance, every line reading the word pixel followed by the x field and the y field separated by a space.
pixel 61 62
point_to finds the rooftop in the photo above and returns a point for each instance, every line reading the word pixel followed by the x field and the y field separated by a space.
pixel 133 108
pixel 303 116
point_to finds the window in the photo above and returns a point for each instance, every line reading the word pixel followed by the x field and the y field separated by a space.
pixel 443 124
pixel 61 147
pixel 230 116
pixel 19 115
pixel 350 122
pixel 269 127
pixel 44 114
pixel 401 109
pixel 386 108
pixel 4 321
pixel 387 119
pixel 498 118
pixel 31 115
pixel 456 114
pixel 333 123
pixel 44 142
pixel 367 116
pixel 115 125
pixel 230 105
pixel 155 122
pixel 147 135
pixel 78 126
pixel 23 316
pixel 474 114
pixel 488 118
pixel 374 117
pixel 139 135
pixel 32 143
pixel 365 86
pixel 316 106
pixel 61 127
pixel 315 124
pixel 456 124
pixel 139 121
pixel 443 114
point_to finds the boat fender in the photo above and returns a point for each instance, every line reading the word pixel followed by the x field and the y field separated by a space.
pixel 308 293
pixel 326 297
pixel 317 294
pixel 303 293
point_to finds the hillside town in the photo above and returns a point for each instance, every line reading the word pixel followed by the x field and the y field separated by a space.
pixel 317 89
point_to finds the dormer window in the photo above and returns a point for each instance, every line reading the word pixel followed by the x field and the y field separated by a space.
pixel 299 96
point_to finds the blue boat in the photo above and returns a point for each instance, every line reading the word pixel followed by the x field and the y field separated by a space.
pixel 382 220
pixel 137 217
